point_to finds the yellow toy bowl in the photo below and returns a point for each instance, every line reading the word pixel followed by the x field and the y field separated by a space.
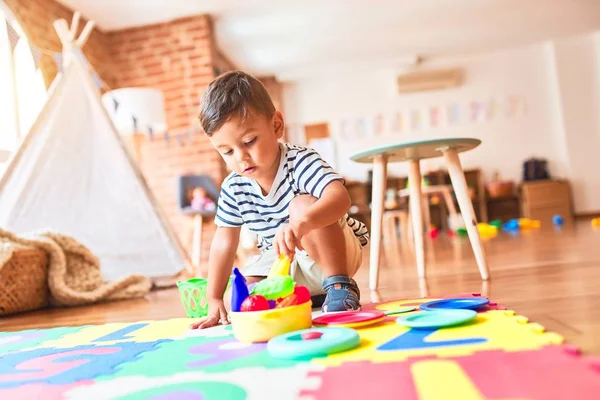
pixel 260 326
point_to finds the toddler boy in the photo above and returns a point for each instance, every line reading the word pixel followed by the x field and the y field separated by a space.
pixel 291 198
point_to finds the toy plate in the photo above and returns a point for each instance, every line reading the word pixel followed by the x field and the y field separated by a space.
pixel 328 341
pixel 436 319
pixel 349 318
pixel 461 303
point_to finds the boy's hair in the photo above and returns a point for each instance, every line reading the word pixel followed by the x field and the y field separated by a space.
pixel 233 94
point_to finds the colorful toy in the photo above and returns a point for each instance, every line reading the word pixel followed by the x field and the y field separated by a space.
pixel 275 288
pixel 239 291
pixel 192 294
pixel 497 223
pixel 558 220
pixel 281 267
pixel 313 342
pixel 255 302
pixel 436 319
pixel 596 222
pixel 434 232
pixel 511 225
pixel 471 303
pixel 350 319
pixel 486 229
pixel 302 293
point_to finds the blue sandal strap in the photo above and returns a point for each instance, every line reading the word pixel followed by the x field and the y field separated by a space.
pixel 342 297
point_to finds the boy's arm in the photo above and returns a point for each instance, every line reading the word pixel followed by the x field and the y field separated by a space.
pixel 333 204
pixel 220 263
pixel 220 260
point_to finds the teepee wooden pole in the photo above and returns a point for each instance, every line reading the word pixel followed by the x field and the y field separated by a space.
pixel 85 34
pixel 62 29
pixel 75 24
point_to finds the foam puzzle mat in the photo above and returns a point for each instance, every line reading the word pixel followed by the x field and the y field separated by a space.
pixel 499 356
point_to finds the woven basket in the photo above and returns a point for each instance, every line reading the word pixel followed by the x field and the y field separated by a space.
pixel 23 279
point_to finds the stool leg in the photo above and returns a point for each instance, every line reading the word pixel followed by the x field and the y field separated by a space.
pixel 197 244
pixel 377 205
pixel 414 188
pixel 459 183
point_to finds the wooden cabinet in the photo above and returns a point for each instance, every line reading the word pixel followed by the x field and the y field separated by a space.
pixel 542 200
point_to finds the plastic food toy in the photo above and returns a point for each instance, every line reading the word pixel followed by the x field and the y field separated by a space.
pixel 239 290
pixel 255 302
pixel 275 288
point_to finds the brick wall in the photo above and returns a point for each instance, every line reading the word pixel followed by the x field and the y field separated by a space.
pixel 177 58
pixel 36 18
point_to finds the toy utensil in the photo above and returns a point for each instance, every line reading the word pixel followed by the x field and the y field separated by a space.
pixel 281 267
pixel 239 290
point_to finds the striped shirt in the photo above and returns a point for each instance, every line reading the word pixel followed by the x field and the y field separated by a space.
pixel 301 171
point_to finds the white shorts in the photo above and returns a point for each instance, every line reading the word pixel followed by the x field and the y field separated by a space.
pixel 305 270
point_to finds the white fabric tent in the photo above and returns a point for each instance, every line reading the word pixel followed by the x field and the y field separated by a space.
pixel 73 174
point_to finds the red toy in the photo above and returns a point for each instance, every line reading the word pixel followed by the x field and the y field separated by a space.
pixel 255 302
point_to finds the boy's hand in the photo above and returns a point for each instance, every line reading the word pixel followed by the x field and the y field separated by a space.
pixel 216 310
pixel 288 238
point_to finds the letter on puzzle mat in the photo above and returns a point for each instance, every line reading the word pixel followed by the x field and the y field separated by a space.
pixel 108 334
pixel 65 366
pixel 494 374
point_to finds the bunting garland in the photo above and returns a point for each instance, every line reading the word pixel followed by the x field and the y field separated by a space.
pixel 434 117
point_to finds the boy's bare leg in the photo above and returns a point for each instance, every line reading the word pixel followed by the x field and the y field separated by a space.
pixel 327 247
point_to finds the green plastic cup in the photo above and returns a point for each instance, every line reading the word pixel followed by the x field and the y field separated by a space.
pixel 193 297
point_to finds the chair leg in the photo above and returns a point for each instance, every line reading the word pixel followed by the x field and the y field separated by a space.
pixel 459 183
pixel 377 205
pixel 197 245
pixel 414 186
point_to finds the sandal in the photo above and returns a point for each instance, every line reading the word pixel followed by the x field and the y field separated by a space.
pixel 342 294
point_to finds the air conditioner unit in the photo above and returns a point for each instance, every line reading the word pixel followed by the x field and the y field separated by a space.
pixel 420 81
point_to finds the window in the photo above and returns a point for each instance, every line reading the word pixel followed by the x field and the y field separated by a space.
pixel 22 89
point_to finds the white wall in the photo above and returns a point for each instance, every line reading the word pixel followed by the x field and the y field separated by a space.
pixel 532 73
pixel 577 69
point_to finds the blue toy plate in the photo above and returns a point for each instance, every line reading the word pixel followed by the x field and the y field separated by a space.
pixel 436 319
pixel 471 303
pixel 292 345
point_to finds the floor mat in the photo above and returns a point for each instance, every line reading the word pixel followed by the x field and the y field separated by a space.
pixel 500 355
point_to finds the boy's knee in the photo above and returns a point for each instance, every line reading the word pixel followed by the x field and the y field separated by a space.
pixel 300 204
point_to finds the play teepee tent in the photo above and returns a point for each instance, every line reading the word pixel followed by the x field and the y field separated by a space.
pixel 73 175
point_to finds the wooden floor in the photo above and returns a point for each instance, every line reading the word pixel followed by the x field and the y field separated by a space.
pixel 551 276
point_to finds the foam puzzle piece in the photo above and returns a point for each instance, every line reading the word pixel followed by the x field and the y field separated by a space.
pixel 206 354
pixel 66 366
pixel 255 383
pixel 493 374
pixel 113 333
pixel 500 329
pixel 27 339
pixel 41 391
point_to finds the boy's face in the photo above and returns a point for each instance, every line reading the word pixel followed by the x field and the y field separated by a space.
pixel 251 148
